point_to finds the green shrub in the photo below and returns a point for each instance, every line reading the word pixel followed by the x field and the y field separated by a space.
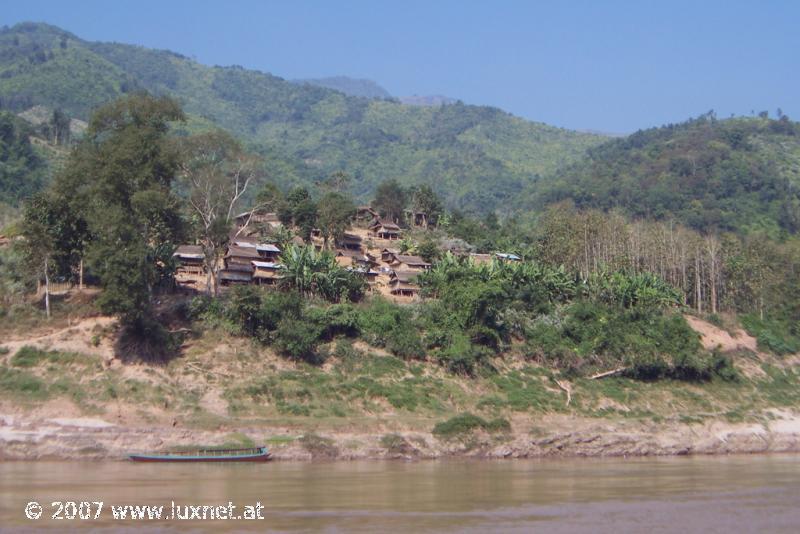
pixel 298 340
pixel 385 324
pixel 466 423
pixel 772 335
pixel 647 367
pixel 462 357
pixel 28 357
pixel 691 366
pixel 21 384
pixel 335 320
pixel 722 366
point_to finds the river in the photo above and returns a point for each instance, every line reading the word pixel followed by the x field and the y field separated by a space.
pixel 678 494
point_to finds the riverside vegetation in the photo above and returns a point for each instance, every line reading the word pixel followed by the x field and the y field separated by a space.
pixel 490 350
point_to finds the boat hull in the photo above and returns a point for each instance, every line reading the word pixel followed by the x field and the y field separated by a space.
pixel 261 457
pixel 253 455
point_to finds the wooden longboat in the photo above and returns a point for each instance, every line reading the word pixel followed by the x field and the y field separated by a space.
pixel 255 454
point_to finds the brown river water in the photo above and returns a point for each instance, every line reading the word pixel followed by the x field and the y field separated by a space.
pixel 679 494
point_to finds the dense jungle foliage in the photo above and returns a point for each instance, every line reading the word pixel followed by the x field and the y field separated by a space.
pixel 740 175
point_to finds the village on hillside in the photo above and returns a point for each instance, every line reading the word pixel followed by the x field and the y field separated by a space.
pixel 370 247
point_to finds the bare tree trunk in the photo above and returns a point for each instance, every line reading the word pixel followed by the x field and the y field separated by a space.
pixel 698 300
pixel 712 248
pixel 46 288
pixel 80 275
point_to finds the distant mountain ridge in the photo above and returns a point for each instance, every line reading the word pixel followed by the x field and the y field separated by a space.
pixel 477 157
pixel 430 100
pixel 350 86
pixel 369 89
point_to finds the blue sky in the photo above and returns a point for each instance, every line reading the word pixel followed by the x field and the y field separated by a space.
pixel 612 66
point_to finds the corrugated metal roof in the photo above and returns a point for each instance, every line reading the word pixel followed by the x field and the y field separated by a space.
pixel 267 264
pixel 194 252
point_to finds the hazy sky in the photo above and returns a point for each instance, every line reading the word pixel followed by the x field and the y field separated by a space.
pixel 605 65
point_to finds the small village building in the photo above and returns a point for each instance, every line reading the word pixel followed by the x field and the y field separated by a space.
pixel 417 218
pixel 403 284
pixel 238 255
pixel 236 274
pixel 346 258
pixel 266 251
pixel 266 272
pixel 366 215
pixel 502 256
pixel 388 254
pixel 349 242
pixel 256 219
pixel 409 263
pixel 370 275
pixel 191 259
pixel 385 230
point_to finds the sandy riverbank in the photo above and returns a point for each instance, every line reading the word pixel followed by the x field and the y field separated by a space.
pixel 24 438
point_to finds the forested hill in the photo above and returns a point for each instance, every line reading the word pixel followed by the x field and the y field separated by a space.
pixel 476 157
pixel 739 174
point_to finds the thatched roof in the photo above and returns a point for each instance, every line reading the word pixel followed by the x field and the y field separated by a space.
pixel 242 252
pixel 412 260
pixel 386 226
pixel 404 277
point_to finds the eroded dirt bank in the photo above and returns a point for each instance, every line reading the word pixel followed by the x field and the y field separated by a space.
pixel 26 438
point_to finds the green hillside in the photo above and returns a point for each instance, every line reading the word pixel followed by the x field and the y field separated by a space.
pixel 307 132
pixel 22 169
pixel 738 174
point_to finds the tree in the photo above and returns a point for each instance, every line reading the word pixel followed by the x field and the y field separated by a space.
pixel 335 214
pixel 118 185
pixel 337 182
pixel 300 211
pixel 425 200
pixel 39 228
pixel 217 172
pixel 59 127
pixel 390 200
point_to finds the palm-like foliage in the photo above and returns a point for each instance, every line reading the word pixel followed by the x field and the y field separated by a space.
pixel 316 273
pixel 631 290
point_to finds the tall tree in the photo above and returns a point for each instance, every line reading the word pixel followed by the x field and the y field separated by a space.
pixel 300 211
pixel 336 212
pixel 39 226
pixel 425 200
pixel 390 200
pixel 217 172
pixel 117 183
